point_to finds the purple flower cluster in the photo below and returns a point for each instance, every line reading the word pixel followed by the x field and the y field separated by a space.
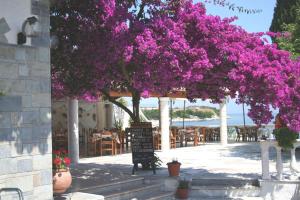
pixel 174 45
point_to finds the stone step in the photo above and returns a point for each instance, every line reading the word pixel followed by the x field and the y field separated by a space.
pixel 222 198
pixel 224 188
pixel 141 192
pixel 115 186
pixel 225 182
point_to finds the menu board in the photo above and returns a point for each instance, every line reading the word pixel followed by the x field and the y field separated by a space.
pixel 142 144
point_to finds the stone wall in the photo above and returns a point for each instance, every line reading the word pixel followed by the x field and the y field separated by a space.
pixel 25 113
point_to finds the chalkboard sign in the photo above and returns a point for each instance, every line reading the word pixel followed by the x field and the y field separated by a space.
pixel 142 145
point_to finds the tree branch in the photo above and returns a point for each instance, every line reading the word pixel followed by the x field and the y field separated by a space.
pixel 114 101
pixel 141 11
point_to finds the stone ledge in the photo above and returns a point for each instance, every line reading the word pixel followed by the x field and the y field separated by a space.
pixel 79 196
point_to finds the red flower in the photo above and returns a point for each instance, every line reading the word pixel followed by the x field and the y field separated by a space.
pixel 57 161
pixel 56 152
pixel 67 161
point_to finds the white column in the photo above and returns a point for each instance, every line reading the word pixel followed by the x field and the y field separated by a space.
pixel 223 125
pixel 265 160
pixel 279 165
pixel 100 115
pixel 109 109
pixel 73 134
pixel 165 123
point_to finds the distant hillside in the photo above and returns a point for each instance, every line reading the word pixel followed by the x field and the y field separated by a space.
pixel 191 112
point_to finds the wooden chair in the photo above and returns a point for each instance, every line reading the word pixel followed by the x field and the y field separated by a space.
pixel 92 143
pixel 156 138
pixel 172 140
pixel 107 143
pixel 238 134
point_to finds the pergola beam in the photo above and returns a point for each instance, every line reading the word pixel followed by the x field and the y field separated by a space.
pixel 174 94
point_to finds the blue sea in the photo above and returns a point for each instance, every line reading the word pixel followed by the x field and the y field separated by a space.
pixel 232 120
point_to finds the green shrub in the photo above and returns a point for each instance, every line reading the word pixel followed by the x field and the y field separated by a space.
pixel 285 137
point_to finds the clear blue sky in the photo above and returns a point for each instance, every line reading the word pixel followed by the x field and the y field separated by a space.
pixel 251 22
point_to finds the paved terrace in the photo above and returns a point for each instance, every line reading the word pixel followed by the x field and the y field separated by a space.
pixel 238 160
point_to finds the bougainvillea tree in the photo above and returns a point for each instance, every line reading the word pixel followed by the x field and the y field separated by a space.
pixel 159 46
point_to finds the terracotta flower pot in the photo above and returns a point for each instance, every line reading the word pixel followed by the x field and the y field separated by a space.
pixel 174 168
pixel 182 193
pixel 62 180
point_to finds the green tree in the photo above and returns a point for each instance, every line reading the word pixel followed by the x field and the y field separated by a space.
pixel 284 13
pixel 287 19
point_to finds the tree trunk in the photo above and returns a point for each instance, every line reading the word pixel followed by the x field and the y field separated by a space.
pixel 136 106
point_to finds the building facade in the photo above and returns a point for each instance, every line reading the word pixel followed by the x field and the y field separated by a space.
pixel 25 104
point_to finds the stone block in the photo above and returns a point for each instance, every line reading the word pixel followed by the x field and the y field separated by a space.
pixel 41 100
pixel 41 162
pixel 13 87
pixel 6 134
pixel 30 117
pixel 9 70
pixel 3 39
pixel 5 151
pixel 8 166
pixel 40 70
pixel 24 165
pixel 20 54
pixel 23 70
pixel 16 149
pixel 38 86
pixel 45 115
pixel 7 52
pixel 39 147
pixel 5 120
pixel 44 54
pixel 24 183
pixel 37 180
pixel 46 177
pixel 26 101
pixel 25 134
pixel 44 192
pixel 16 119
pixel 31 54
pixel 10 103
pixel 41 132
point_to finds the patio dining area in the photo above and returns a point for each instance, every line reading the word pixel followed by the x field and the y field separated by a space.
pixel 109 142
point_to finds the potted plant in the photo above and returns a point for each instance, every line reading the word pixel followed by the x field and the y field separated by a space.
pixel 174 167
pixel 285 137
pixel 182 191
pixel 62 178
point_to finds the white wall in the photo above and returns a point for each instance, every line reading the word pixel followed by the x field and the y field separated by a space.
pixel 15 13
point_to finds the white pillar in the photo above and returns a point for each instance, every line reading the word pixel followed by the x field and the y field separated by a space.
pixel 279 165
pixel 165 123
pixel 223 125
pixel 109 109
pixel 100 115
pixel 265 160
pixel 73 134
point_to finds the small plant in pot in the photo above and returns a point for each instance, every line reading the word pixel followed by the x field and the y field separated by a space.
pixel 62 178
pixel 182 191
pixel 174 167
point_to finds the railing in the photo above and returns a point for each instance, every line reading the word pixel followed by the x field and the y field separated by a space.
pixel 265 145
